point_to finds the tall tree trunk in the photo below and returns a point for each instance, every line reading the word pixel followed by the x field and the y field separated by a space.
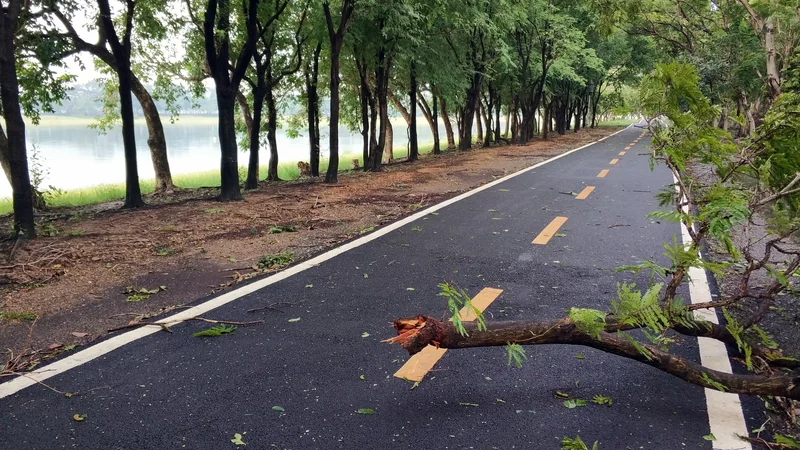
pixel 155 137
pixel 4 154
pixel 364 97
pixel 448 126
pixel 312 77
pixel 497 120
pixel 388 144
pixel 272 133
pixel 470 108
pixel 546 120
pixel 479 120
pixel 436 145
pixel 254 136
pixel 22 194
pixel 384 146
pixel 508 117
pixel 413 153
pixel 229 151
pixel 333 163
pixel 336 36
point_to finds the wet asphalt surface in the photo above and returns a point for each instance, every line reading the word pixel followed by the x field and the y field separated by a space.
pixel 174 391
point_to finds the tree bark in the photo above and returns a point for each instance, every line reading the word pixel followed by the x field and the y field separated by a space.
pixel 336 37
pixel 272 133
pixel 122 57
pixel 216 26
pixel 448 126
pixel 417 333
pixel 312 78
pixel 4 154
pixel 155 137
pixel 22 193
pixel 413 153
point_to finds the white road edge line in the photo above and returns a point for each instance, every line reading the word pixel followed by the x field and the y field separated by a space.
pixel 104 347
pixel 725 414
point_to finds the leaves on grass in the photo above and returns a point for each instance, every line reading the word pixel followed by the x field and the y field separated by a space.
pixel 278 408
pixel 365 411
pixel 17 316
pixel 296 319
pixel 237 439
pixel 79 417
pixel 275 260
pixel 217 330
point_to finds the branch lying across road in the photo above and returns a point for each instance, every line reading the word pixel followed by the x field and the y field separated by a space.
pixel 417 333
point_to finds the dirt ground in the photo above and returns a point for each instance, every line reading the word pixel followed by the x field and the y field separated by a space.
pixel 103 267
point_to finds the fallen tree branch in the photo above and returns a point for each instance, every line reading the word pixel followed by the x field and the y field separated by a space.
pixel 417 333
pixel 165 325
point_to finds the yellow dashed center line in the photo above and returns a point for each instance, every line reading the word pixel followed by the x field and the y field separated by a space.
pixel 420 364
pixel 621 153
pixel 549 231
pixel 614 161
pixel 628 147
pixel 585 193
pixel 602 173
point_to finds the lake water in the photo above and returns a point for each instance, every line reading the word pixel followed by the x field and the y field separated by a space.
pixel 78 156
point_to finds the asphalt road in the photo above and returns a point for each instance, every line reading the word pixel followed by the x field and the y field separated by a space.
pixel 173 391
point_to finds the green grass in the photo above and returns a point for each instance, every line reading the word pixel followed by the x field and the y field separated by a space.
pixel 616 123
pixel 210 178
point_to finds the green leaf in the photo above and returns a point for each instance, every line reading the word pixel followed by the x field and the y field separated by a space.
pixel 589 321
pixel 516 354
pixel 467 404
pixel 575 444
pixel 296 319
pixel 237 439
pixel 710 437
pixel 602 400
pixel 364 334
pixel 787 441
pixel 574 403
pixel 278 408
pixel 366 411
pixel 579 356
pixel 79 417
pixel 217 330
pixel 309 286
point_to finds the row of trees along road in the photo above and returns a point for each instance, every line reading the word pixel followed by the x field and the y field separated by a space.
pixel 471 64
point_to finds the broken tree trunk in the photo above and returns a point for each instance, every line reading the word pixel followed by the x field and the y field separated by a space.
pixel 417 333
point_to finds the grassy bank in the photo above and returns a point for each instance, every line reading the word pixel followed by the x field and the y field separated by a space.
pixel 210 178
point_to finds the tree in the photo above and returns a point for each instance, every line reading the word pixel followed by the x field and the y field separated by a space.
pixel 149 26
pixel 217 44
pixel 11 17
pixel 336 37
pixel 121 49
